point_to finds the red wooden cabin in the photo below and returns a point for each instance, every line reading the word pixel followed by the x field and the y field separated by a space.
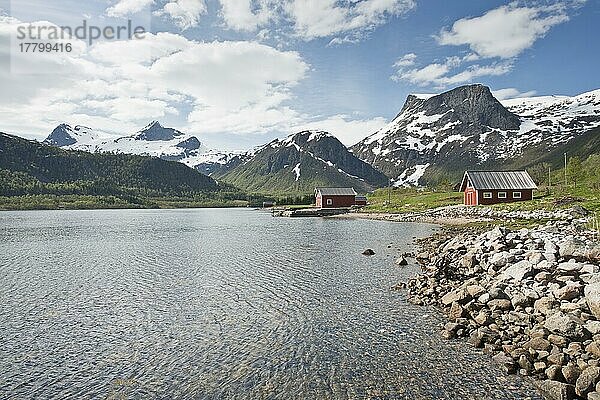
pixel 493 187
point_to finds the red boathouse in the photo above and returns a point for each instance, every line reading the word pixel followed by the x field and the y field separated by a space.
pixel 335 197
pixel 493 187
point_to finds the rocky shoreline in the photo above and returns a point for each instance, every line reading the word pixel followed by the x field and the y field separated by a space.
pixel 461 215
pixel 530 298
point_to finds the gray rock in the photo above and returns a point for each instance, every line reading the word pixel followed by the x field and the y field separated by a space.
pixel 594 349
pixel 569 267
pixel 483 318
pixel 570 291
pixel 501 259
pixel 475 290
pixel 499 304
pixel 506 362
pixel 571 373
pixel 536 258
pixel 538 343
pixel 545 305
pixel 456 312
pixel 554 390
pixel 557 359
pixel 592 297
pixel 518 271
pixel 550 247
pixel 569 247
pixel 587 381
pixel 553 373
pixel 593 396
pixel 565 325
pixel 593 327
pixel 401 261
pixel 518 299
pixel 458 295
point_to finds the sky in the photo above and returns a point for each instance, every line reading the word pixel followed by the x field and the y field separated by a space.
pixel 239 73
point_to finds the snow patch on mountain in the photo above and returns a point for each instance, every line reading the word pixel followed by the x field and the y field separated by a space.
pixel 411 176
pixel 296 170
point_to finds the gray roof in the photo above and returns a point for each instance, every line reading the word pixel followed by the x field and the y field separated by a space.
pixel 499 180
pixel 336 191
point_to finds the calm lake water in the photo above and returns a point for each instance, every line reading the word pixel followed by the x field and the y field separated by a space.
pixel 221 304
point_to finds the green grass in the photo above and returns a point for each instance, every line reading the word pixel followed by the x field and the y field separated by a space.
pixel 557 198
pixel 410 200
pixel 417 200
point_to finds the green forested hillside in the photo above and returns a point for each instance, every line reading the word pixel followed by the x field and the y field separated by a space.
pixel 34 175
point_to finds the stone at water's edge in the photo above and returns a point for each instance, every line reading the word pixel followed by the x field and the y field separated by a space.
pixel 401 261
pixel 553 390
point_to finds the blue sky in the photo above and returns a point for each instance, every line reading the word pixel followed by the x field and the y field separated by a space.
pixel 240 72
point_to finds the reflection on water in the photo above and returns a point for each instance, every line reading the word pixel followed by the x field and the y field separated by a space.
pixel 197 304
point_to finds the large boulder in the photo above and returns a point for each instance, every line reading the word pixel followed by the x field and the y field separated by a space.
pixel 458 295
pixel 592 297
pixel 587 381
pixel 518 271
pixel 554 390
pixel 565 325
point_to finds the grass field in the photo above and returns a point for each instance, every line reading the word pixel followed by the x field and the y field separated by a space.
pixel 416 200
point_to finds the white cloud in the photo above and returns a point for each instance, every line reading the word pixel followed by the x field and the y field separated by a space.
pixel 123 8
pixel 406 60
pixel 475 71
pixel 506 31
pixel 511 93
pixel 323 18
pixel 185 13
pixel 247 15
pixel 440 75
pixel 422 76
pixel 349 131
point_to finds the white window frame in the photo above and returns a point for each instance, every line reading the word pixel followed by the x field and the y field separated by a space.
pixel 329 202
pixel 517 195
pixel 487 195
pixel 502 195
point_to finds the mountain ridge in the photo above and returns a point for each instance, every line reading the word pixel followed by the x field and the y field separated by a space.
pixel 435 137
pixel 153 140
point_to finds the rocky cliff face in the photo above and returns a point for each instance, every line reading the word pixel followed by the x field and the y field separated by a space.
pixel 439 136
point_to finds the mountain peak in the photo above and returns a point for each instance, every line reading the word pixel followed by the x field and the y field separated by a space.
pixel 155 131
pixel 61 136
pixel 153 124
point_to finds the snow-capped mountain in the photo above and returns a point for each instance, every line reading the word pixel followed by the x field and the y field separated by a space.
pixel 299 163
pixel 65 136
pixel 154 140
pixel 439 136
